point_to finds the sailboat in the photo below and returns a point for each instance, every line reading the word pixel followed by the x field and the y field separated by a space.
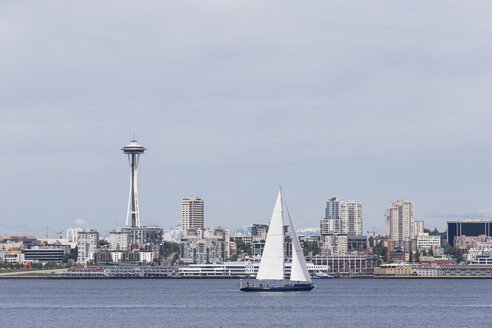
pixel 271 273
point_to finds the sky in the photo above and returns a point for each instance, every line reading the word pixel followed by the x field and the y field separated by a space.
pixel 367 100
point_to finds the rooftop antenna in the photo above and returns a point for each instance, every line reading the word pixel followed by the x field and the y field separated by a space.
pixel 133 134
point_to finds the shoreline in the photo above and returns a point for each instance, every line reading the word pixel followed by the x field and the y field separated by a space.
pixel 226 277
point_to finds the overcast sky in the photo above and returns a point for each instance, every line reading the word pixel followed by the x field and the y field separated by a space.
pixel 367 100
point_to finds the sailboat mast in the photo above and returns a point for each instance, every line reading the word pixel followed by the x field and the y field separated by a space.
pixel 298 270
pixel 283 237
pixel 272 264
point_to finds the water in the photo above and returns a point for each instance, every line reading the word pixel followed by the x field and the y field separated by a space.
pixel 218 303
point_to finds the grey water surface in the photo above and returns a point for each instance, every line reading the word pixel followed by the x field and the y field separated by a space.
pixel 219 303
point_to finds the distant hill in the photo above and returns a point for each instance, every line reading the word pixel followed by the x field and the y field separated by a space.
pixel 245 229
pixel 308 231
pixel 174 233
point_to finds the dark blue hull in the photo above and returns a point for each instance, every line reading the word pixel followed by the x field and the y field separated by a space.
pixel 287 288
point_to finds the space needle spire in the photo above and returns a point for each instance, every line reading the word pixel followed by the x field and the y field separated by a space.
pixel 133 150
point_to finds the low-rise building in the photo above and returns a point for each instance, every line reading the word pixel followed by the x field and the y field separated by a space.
pixel 44 254
pixel 393 270
pixel 452 271
pixel 356 242
pixel 120 271
pixel 247 239
pixel 334 244
pixel 481 254
pixel 465 243
pixel 483 260
pixel 347 265
pixel 195 250
pixel 13 257
pixel 146 257
pixel 238 269
pixel 426 241
pixel 118 256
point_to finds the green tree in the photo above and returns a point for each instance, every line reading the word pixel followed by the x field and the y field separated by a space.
pixel 72 256
pixel 51 265
pixel 450 250
pixel 410 255
pixel 381 251
pixel 171 247
pixel 435 232
pixel 243 247
pixel 175 259
pixel 311 246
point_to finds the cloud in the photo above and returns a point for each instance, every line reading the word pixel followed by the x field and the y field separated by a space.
pixel 370 100
pixel 80 222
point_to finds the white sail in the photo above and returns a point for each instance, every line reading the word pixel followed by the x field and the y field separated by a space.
pixel 298 271
pixel 272 261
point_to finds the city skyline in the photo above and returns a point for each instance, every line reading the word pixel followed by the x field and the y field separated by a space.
pixel 364 106
pixel 134 214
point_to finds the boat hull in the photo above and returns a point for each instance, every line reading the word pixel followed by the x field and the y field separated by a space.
pixel 287 288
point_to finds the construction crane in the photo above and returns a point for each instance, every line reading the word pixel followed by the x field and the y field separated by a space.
pixel 374 231
pixel 388 223
pixel 47 233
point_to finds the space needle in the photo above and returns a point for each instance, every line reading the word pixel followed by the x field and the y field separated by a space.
pixel 133 150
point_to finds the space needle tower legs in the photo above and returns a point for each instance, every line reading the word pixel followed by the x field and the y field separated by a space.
pixel 133 150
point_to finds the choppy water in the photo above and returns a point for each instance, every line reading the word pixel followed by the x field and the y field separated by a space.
pixel 218 303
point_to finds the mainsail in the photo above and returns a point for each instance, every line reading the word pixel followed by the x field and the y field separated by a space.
pixel 298 271
pixel 272 261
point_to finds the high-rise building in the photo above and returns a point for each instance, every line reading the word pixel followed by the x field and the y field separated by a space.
pixel 225 235
pixel 348 212
pixel 330 225
pixel 133 150
pixel 87 245
pixel 351 216
pixel 191 214
pixel 418 227
pixel 402 221
pixel 119 240
pixel 332 208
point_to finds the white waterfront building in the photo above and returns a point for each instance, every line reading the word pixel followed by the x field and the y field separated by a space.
pixel 145 256
pixel 117 256
pixel 238 269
